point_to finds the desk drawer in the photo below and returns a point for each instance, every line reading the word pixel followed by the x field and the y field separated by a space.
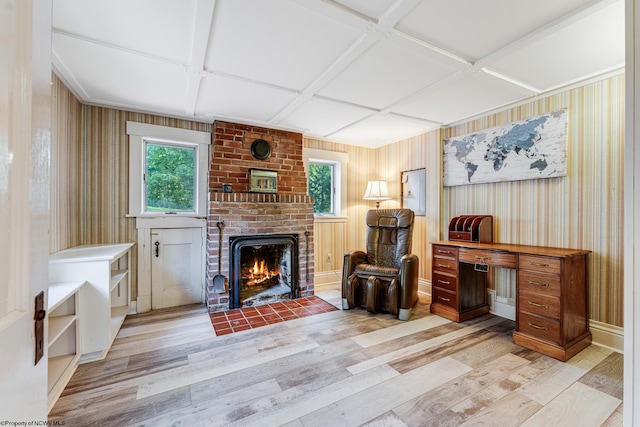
pixel 446 265
pixel 538 283
pixel 445 251
pixel 445 282
pixel 542 305
pixel 445 298
pixel 539 327
pixel 496 259
pixel 541 264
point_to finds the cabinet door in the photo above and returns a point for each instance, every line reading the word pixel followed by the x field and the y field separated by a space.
pixel 176 267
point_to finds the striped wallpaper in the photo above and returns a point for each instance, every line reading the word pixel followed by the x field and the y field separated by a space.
pixel 90 170
pixel 582 210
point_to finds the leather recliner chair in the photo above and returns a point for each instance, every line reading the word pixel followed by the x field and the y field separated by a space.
pixel 385 278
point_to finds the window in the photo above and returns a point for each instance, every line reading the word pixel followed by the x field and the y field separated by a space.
pixel 169 178
pixel 326 182
pixel 168 170
pixel 321 186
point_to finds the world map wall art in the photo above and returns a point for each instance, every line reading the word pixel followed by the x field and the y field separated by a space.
pixel 528 149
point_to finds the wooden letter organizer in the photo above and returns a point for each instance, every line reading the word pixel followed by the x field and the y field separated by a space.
pixel 471 228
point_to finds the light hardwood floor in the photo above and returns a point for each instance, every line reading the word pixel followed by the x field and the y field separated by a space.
pixel 342 368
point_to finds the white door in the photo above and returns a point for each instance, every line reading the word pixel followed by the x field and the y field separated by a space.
pixel 25 106
pixel 177 260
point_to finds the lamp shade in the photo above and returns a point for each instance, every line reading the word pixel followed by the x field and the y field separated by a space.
pixel 377 190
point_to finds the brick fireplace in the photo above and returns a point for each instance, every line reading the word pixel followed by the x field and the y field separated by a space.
pixel 245 213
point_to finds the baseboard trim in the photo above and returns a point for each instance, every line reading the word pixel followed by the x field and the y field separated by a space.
pixel 607 336
pixel 499 307
pixel 324 278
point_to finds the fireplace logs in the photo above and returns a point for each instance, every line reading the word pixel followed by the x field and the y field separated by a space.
pixel 264 269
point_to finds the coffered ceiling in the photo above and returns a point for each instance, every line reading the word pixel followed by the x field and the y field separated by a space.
pixel 364 72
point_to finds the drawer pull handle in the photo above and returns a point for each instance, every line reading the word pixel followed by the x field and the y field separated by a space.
pixel 539 264
pixel 533 325
pixel 482 257
pixel 535 304
pixel 533 282
pixel 440 251
pixel 444 282
pixel 444 299
pixel 443 266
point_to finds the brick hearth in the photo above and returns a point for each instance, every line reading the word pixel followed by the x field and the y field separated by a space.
pixel 244 213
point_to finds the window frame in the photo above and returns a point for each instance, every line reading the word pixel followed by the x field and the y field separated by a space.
pixel 339 162
pixel 145 187
pixel 139 133
pixel 334 190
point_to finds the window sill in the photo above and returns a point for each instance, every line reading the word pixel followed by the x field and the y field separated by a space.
pixel 170 221
pixel 329 218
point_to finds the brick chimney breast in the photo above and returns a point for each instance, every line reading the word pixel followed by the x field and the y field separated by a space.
pixel 246 213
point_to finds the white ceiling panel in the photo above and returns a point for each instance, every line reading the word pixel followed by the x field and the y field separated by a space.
pixel 474 29
pixel 388 72
pixel 229 98
pixel 372 9
pixel 381 129
pixel 321 118
pixel 475 91
pixel 118 78
pixel 353 71
pixel 276 42
pixel 161 28
pixel 581 49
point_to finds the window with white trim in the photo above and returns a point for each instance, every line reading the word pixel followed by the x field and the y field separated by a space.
pixel 168 170
pixel 326 181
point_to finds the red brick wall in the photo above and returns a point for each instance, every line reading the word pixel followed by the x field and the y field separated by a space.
pixel 231 157
pixel 251 214
pixel 290 211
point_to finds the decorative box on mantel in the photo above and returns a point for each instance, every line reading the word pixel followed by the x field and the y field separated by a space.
pixel 471 228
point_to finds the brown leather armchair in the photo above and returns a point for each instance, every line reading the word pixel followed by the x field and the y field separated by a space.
pixel 385 278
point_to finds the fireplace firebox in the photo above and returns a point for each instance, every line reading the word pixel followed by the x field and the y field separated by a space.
pixel 263 269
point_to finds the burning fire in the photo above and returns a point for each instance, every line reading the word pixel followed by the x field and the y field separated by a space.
pixel 259 273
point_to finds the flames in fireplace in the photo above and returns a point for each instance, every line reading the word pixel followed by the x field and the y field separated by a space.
pixel 260 273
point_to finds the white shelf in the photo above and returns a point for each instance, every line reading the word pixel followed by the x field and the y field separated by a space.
pixel 57 366
pixel 63 335
pixel 61 368
pixel 60 292
pixel 105 301
pixel 116 278
pixel 118 315
pixel 84 253
pixel 58 325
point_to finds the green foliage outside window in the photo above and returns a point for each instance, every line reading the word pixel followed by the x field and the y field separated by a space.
pixel 321 187
pixel 170 178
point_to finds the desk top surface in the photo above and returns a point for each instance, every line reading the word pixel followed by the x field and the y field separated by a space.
pixel 514 248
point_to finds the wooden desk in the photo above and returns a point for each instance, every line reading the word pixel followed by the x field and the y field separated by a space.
pixel 552 302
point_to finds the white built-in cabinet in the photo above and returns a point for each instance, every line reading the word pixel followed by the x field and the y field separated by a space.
pixel 63 337
pixel 104 300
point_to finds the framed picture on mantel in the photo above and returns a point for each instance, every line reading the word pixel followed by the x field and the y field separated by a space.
pixel 414 196
pixel 263 181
